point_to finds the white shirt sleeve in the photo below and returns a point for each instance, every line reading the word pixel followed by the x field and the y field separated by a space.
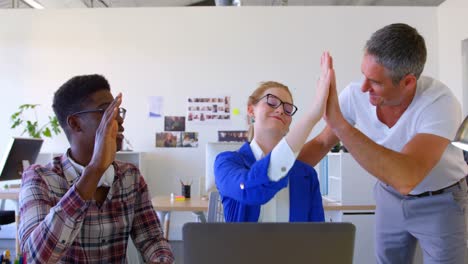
pixel 281 161
pixel 441 118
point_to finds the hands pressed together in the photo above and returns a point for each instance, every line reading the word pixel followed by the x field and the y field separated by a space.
pixel 326 99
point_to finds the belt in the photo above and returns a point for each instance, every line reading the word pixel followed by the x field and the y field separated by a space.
pixel 430 193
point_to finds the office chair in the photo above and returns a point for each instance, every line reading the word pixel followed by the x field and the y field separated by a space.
pixel 7 217
pixel 215 208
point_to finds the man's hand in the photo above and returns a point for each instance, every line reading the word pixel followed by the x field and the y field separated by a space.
pixel 327 74
pixel 105 145
pixel 333 115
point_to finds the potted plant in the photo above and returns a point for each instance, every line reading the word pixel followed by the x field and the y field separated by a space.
pixel 32 127
pixel 336 148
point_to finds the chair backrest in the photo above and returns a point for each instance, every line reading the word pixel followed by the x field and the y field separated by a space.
pixel 215 208
pixel 7 217
pixel 212 150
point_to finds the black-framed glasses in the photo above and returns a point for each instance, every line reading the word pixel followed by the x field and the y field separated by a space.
pixel 275 102
pixel 122 112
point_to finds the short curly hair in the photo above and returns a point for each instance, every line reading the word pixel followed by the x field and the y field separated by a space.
pixel 69 98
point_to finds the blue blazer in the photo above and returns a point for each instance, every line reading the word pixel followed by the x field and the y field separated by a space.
pixel 244 186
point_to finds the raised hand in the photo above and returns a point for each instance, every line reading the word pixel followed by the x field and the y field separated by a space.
pixel 327 74
pixel 332 114
pixel 105 145
pixel 301 130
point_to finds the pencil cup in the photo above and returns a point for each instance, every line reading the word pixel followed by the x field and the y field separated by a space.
pixel 186 191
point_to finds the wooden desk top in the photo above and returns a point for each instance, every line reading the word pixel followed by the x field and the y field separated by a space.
pixel 12 194
pixel 163 203
pixel 334 206
pixel 196 204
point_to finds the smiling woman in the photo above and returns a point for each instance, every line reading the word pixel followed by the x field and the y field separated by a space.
pixel 255 181
pixel 264 105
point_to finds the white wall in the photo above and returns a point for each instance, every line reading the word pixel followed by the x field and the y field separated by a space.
pixel 465 76
pixel 453 18
pixel 180 52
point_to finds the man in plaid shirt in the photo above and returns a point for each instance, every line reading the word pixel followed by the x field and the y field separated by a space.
pixel 83 206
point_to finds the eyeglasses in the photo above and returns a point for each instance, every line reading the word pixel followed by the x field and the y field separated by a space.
pixel 275 102
pixel 122 112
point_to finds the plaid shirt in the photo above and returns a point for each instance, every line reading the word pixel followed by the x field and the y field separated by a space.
pixel 58 226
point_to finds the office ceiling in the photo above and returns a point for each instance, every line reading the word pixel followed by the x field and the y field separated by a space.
pixel 181 3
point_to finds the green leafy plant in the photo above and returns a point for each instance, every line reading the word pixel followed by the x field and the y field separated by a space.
pixel 336 148
pixel 32 127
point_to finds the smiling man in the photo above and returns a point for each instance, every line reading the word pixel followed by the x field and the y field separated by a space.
pixel 398 125
pixel 83 206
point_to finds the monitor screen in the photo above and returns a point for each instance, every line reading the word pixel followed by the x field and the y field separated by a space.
pixel 212 150
pixel 18 150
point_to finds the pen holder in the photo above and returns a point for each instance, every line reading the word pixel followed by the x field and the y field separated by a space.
pixel 186 191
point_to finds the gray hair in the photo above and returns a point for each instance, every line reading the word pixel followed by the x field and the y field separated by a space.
pixel 400 49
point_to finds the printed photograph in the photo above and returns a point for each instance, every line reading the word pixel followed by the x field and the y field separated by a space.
pixel 167 139
pixel 177 140
pixel 233 136
pixel 189 139
pixel 174 123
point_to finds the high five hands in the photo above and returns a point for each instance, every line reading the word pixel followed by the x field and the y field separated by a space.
pixel 327 75
pixel 332 112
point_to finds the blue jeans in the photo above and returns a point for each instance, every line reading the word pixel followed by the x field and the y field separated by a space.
pixel 438 222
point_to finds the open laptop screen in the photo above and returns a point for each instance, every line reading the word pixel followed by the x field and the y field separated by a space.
pixel 210 243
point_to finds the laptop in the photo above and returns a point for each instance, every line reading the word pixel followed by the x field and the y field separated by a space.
pixel 256 243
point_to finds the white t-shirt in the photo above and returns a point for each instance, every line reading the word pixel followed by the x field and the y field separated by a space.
pixel 434 110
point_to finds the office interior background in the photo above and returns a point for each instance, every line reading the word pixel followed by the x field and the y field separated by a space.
pixel 175 51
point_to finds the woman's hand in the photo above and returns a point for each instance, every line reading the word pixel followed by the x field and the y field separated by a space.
pixel 327 77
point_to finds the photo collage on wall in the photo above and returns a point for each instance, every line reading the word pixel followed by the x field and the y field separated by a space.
pixel 233 136
pixel 200 110
pixel 205 110
pixel 174 135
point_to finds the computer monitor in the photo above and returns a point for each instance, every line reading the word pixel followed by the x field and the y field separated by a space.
pixel 212 150
pixel 20 153
pixel 272 243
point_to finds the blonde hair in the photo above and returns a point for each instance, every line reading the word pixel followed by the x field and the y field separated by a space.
pixel 257 93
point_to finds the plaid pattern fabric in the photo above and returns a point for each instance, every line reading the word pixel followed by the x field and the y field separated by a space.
pixel 57 226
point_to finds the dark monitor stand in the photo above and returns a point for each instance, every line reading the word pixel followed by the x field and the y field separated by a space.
pixel 20 153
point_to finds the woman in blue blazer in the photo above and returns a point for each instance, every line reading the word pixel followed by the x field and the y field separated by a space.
pixel 263 181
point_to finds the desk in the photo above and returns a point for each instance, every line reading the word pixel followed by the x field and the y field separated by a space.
pixel 10 194
pixel 164 206
pixel 335 206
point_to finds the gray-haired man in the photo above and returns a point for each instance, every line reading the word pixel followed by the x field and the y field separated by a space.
pixel 398 126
